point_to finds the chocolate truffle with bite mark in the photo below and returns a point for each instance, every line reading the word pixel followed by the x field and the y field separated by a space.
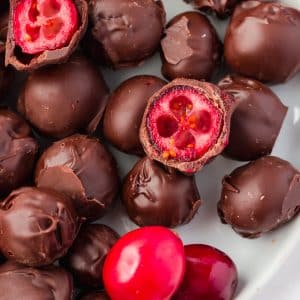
pixel 260 196
pixel 60 100
pixel 256 121
pixel 86 257
pixel 81 168
pixel 18 151
pixel 37 226
pixel 157 195
pixel 21 282
pixel 125 109
pixel 191 47
pixel 123 33
pixel 262 41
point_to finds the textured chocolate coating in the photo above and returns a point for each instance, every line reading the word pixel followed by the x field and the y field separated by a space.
pixel 86 257
pixel 3 29
pixel 83 169
pixel 125 109
pixel 62 99
pixel 123 33
pixel 155 195
pixel 95 296
pixel 222 8
pixel 191 47
pixel 37 226
pixel 271 53
pixel 18 152
pixel 260 196
pixel 21 282
pixel 256 121
pixel 24 62
pixel 221 100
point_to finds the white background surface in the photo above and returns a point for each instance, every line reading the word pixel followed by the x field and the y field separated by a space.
pixel 269 267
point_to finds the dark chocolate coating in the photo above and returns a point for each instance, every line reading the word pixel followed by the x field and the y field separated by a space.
pixel 62 99
pixel 37 226
pixel 95 296
pixel 155 195
pixel 24 62
pixel 262 41
pixel 83 169
pixel 86 257
pixel 123 33
pixel 256 121
pixel 18 152
pixel 260 196
pixel 191 47
pixel 3 29
pixel 222 8
pixel 26 283
pixel 125 109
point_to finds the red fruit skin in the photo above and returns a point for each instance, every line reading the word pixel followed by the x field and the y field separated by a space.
pixel 210 275
pixel 145 264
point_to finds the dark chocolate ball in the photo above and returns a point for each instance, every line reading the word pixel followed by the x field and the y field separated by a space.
pixel 21 282
pixel 18 152
pixel 191 47
pixel 256 121
pixel 84 170
pixel 62 99
pixel 262 41
pixel 37 226
pixel 260 196
pixel 86 257
pixel 222 8
pixel 94 296
pixel 125 110
pixel 123 33
pixel 157 195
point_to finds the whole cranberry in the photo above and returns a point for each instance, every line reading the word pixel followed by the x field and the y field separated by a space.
pixel 146 263
pixel 210 275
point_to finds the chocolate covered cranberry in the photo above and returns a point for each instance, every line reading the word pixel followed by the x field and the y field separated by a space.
pixel 156 195
pixel 191 47
pixel 125 109
pixel 44 32
pixel 186 124
pixel 146 263
pixel 210 275
pixel 260 196
pixel 63 99
pixel 262 41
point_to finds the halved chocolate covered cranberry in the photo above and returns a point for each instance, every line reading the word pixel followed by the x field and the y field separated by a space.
pixel 186 124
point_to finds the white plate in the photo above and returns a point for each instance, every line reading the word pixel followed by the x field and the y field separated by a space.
pixel 265 265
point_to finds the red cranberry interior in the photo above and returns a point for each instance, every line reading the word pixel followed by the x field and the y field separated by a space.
pixel 210 275
pixel 41 25
pixel 183 123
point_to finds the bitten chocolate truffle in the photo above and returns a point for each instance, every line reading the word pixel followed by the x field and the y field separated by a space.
pixel 37 226
pixel 191 47
pixel 125 109
pixel 44 32
pixel 156 195
pixel 86 257
pixel 62 99
pixel 262 41
pixel 222 8
pixel 21 282
pixel 83 169
pixel 95 296
pixel 260 196
pixel 123 33
pixel 18 151
pixel 256 121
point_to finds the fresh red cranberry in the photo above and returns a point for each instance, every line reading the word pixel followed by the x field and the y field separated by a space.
pixel 41 25
pixel 210 275
pixel 186 124
pixel 147 263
